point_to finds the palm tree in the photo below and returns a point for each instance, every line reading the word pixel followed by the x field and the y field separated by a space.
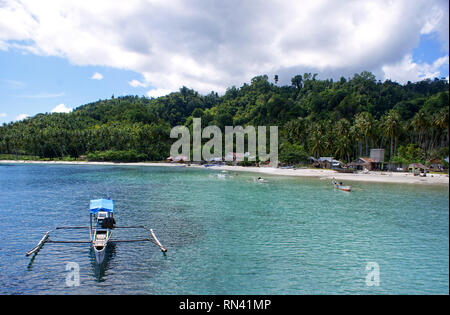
pixel 295 130
pixel 441 120
pixel 343 148
pixel 297 81
pixel 365 122
pixel 391 126
pixel 343 141
pixel 420 123
pixel 357 137
pixel 317 140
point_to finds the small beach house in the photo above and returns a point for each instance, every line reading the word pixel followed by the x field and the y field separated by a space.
pixel 377 155
pixel 436 165
pixel 364 163
pixel 329 162
pixel 417 168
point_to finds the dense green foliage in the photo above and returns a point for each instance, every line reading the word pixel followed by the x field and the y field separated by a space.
pixel 316 117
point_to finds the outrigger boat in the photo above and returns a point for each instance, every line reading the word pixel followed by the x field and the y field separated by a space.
pixel 101 225
pixel 102 222
pixel 260 180
pixel 341 187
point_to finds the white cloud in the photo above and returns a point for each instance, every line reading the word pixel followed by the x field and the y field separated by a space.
pixel 97 76
pixel 2 115
pixel 13 83
pixel 158 92
pixel 408 70
pixel 22 117
pixel 3 46
pixel 437 21
pixel 43 95
pixel 210 45
pixel 61 108
pixel 136 83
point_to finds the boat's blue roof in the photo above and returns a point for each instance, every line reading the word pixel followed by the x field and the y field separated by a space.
pixel 101 205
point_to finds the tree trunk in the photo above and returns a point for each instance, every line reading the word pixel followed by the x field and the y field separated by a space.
pixel 390 160
pixel 448 132
pixel 366 145
pixel 395 145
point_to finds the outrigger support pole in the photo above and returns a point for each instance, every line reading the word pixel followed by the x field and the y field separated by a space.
pixel 157 242
pixel 130 227
pixel 45 238
pixel 69 242
pixel 39 245
pixel 71 227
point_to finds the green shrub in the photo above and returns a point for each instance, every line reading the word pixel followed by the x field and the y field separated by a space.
pixel 117 156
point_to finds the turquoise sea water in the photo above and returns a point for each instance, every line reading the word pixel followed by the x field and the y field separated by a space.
pixel 224 236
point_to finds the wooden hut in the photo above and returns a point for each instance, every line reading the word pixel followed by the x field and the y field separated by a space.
pixel 417 168
pixel 329 162
pixel 436 165
pixel 363 163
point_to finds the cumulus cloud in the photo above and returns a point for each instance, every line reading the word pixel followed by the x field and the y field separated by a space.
pixel 97 76
pixel 136 83
pixel 437 21
pixel 158 92
pixel 408 70
pixel 61 108
pixel 2 115
pixel 22 117
pixel 210 45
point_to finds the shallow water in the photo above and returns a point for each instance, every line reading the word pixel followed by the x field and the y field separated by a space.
pixel 224 235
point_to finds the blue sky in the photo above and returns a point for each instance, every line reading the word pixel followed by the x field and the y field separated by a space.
pixel 31 84
pixel 55 56
pixel 429 50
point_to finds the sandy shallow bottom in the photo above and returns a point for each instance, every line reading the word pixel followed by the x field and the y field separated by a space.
pixel 386 177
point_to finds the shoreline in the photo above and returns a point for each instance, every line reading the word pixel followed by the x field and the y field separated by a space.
pixel 376 177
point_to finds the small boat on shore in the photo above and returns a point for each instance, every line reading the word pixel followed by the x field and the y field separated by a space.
pixel 341 187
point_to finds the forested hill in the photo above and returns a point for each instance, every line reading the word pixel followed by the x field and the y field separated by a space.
pixel 343 118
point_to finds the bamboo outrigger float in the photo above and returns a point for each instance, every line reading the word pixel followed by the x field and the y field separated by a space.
pixel 101 224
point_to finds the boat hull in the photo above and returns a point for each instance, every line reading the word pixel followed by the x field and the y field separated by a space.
pixel 343 188
pixel 99 255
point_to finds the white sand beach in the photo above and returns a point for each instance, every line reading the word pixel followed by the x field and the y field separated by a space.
pixel 381 177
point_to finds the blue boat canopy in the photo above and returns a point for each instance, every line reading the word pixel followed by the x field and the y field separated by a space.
pixel 102 205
